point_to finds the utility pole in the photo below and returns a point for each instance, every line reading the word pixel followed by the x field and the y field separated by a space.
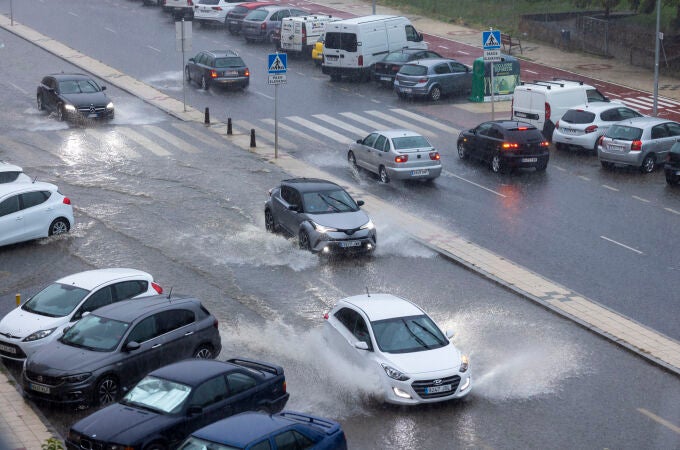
pixel 658 36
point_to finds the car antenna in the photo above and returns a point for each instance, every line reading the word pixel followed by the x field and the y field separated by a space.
pixel 367 293
pixel 35 179
pixel 170 292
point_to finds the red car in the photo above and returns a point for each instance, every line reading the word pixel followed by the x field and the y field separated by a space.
pixel 236 15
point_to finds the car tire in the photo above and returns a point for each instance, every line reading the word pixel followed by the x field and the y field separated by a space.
pixel 401 95
pixel 382 173
pixel 204 83
pixel 648 164
pixel 352 160
pixel 560 146
pixel 106 391
pixel 40 103
pixel 541 166
pixel 58 226
pixel 435 93
pixel 187 74
pixel 497 165
pixel 672 179
pixel 249 40
pixel 462 152
pixel 204 352
pixel 303 241
pixel 232 30
pixel 269 222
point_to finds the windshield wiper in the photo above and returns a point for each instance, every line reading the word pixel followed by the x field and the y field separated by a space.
pixel 420 341
pixel 340 201
pixel 141 406
pixel 436 338
pixel 323 197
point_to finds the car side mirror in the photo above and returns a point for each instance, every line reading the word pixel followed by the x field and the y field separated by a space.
pixel 103 88
pixel 132 346
pixel 65 329
pixel 360 141
pixel 360 203
pixel 420 37
pixel 194 410
pixel 450 334
pixel 361 345
pixel 191 60
pixel 295 208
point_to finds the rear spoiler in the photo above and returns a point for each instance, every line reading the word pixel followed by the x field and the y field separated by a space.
pixel 257 365
pixel 328 426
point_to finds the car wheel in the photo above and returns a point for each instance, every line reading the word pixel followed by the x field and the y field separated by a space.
pixel 204 352
pixel 648 164
pixel 249 40
pixel 106 391
pixel 269 222
pixel 672 179
pixel 204 83
pixel 497 164
pixel 462 152
pixel 384 177
pixel 435 93
pixel 232 30
pixel 401 95
pixel 58 226
pixel 60 113
pixel 542 165
pixel 39 101
pixel 303 241
pixel 560 146
pixel 352 160
pixel 187 74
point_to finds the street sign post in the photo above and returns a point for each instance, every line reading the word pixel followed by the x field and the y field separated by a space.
pixel 183 43
pixel 277 65
pixel 491 42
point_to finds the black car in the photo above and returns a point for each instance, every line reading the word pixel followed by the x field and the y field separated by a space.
pixel 238 13
pixel 385 70
pixel 505 145
pixel 672 166
pixel 109 350
pixel 174 401
pixel 73 96
pixel 218 67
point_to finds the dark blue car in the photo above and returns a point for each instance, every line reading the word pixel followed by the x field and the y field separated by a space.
pixel 260 431
pixel 172 402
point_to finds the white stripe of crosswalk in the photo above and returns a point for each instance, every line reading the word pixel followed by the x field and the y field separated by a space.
pixel 112 140
pixel 171 139
pixel 266 134
pixel 340 124
pixel 202 137
pixel 633 104
pixel 427 121
pixel 143 141
pixel 321 130
pixel 401 123
pixel 658 102
pixel 292 130
pixel 365 121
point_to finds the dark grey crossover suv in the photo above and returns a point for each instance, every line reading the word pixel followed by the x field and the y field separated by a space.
pixel 109 350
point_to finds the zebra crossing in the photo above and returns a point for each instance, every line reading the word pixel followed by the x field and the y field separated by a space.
pixel 645 104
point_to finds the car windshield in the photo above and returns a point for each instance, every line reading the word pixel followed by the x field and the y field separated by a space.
pixel 232 61
pixel 56 300
pixel 77 87
pixel 158 394
pixel 578 116
pixel 258 14
pixel 408 334
pixel 409 142
pixel 625 132
pixel 328 202
pixel 595 96
pixel 413 70
pixel 194 443
pixel 397 57
pixel 239 10
pixel 95 333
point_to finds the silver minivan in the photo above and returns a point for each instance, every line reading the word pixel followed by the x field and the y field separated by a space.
pixel 396 154
pixel 642 142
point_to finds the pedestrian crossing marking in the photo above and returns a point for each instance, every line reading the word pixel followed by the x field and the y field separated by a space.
pixel 144 141
pixel 172 139
pixel 365 121
pixel 113 141
pixel 267 135
pixel 401 123
pixel 321 130
pixel 199 136
pixel 344 125
pixel 425 120
pixel 293 131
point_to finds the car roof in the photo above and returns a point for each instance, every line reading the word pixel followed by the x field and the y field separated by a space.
pixel 256 5
pixel 643 122
pixel 193 371
pixel 8 188
pixel 383 306
pixel 429 62
pixel 70 76
pixel 242 429
pixel 597 107
pixel 512 124
pixel 397 133
pixel 311 184
pixel 7 167
pixel 130 310
pixel 222 53
pixel 90 279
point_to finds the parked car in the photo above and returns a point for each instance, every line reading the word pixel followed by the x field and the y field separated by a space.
pixel 42 318
pixel 505 145
pixel 416 362
pixel 257 430
pixel 263 24
pixel 219 68
pixel 214 11
pixel 672 166
pixel 170 403
pixel 433 78
pixel 582 126
pixel 641 142
pixel 9 173
pixel 385 70
pixel 238 13
pixel 109 350
pixel 33 210
pixel 73 96
pixel 397 155
pixel 180 9
pixel 321 214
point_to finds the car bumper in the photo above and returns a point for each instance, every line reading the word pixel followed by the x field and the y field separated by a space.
pixel 417 173
pixel 19 351
pixel 65 393
pixel 585 141
pixel 339 242
pixel 227 82
pixel 518 161
pixel 403 392
pixel 199 17
pixel 344 71
pixel 412 91
pixel 630 158
pixel 79 116
pixel 248 33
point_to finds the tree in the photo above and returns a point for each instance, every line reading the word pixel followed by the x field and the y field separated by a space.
pixel 608 5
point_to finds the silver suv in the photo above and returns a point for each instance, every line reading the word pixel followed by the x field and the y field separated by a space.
pixel 641 142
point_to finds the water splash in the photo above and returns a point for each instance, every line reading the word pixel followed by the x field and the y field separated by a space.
pixel 169 81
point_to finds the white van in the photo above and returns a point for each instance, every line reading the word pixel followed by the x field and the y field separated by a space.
pixel 352 46
pixel 543 103
pixel 299 34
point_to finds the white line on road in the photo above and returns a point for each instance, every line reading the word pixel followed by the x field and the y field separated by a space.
pixel 622 245
pixel 584 178
pixel 450 174
pixel 154 49
pixel 641 199
pixel 73 14
pixel 611 94
pixel 443 46
pixel 531 71
pixel 559 168
pixel 110 30
pixel 301 74
pixel 264 95
pixel 660 420
pixel 464 53
pixel 610 188
pixel 671 210
pixel 375 100
pixel 18 88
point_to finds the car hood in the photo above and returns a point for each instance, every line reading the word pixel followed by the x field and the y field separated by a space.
pixel 344 221
pixel 91 98
pixel 440 359
pixel 20 323
pixel 57 359
pixel 122 424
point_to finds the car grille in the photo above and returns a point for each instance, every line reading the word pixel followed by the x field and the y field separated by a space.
pixel 91 109
pixel 43 379
pixel 90 444
pixel 420 385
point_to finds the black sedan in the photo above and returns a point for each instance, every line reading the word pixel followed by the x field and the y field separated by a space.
pixel 385 70
pixel 505 145
pixel 73 96
pixel 218 67
pixel 174 401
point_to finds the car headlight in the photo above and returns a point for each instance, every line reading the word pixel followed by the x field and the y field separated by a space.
pixel 39 335
pixel 394 373
pixel 322 229
pixel 77 378
pixel 464 363
pixel 70 108
pixel 109 106
pixel 368 225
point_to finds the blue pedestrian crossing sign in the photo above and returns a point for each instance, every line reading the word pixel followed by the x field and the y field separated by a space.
pixel 277 63
pixel 491 40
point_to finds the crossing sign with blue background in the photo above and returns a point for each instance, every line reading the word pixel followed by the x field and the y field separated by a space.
pixel 277 63
pixel 491 40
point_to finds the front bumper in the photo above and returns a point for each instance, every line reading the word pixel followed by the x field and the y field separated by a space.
pixel 363 241
pixel 413 390
pixel 62 393
pixel 417 173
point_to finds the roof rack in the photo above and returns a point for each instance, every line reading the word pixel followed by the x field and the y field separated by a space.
pixel 580 82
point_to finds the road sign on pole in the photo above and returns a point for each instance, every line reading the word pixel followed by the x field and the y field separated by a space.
pixel 277 64
pixel 492 55
pixel 491 40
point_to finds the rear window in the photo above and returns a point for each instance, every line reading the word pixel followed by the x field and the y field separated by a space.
pixel 625 132
pixel 407 142
pixel 413 70
pixel 209 2
pixel 578 116
pixel 240 10
pixel 397 57
pixel 341 41
pixel 526 135
pixel 8 177
pixel 258 14
pixel 234 61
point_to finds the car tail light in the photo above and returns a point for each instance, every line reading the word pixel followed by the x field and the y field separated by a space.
pixel 246 73
pixel 156 287
pixel 509 145
pixel 599 142
pixel 213 74
pixel 434 156
pixel 66 201
pixel 423 80
pixel 190 2
pixel 591 129
pixel 545 144
pixel 360 62
pixel 263 26
pixel 284 386
pixel 522 128
pixel 216 8
pixel 636 145
pixel 401 158
pixel 216 323
pixel 547 111
pixel 325 316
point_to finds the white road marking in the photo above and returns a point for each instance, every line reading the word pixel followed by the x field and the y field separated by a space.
pixel 401 123
pixel 340 124
pixel 203 137
pixel 584 178
pixel 73 14
pixel 641 199
pixel 321 130
pixel 143 141
pixel 660 102
pixel 23 91
pixel 268 135
pixel 264 95
pixel 610 188
pixel 154 49
pixel 365 121
pixel 464 53
pixel 659 420
pixel 375 100
pixel 531 71
pixel 443 46
pixel 671 210
pixel 110 30
pixel 622 245
pixel 559 168
pixel 425 120
pixel 292 130
pixel 611 94
pixel 453 175
pixel 172 139
pixel 113 141
pixel 628 102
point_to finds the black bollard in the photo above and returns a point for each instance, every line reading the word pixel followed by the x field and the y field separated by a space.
pixel 252 138
pixel 229 126
pixel 207 116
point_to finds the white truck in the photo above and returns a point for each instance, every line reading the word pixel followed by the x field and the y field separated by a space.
pixel 299 34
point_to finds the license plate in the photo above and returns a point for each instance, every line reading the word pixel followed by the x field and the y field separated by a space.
pixel 417 172
pixel 616 148
pixel 8 349
pixel 39 388
pixel 350 244
pixel 437 389
pixel 529 160
pixel 205 10
pixel 231 72
pixel 233 22
pixel 520 114
pixel 385 79
pixel 407 90
pixel 92 116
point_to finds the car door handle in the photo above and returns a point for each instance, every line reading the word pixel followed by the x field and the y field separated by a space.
pixel 156 346
pixel 189 333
